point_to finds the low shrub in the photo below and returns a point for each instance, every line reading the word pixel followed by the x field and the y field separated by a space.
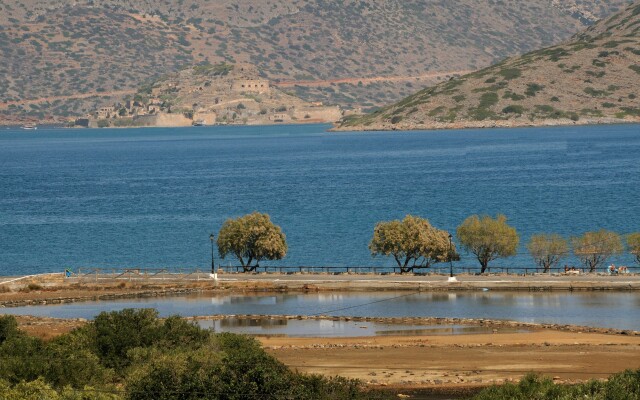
pixel 513 109
pixel 533 89
pixel 625 385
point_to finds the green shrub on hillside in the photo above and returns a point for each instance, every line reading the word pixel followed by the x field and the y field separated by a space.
pixel 533 89
pixel 513 96
pixel 510 73
pixel 595 92
pixel 513 109
pixel 488 100
pixel 458 98
pixel 436 111
pixel 598 74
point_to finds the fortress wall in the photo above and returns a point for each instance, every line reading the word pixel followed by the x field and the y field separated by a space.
pixel 318 114
pixel 207 118
pixel 251 86
pixel 166 120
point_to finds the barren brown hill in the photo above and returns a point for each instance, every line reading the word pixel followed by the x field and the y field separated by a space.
pixel 592 78
pixel 55 50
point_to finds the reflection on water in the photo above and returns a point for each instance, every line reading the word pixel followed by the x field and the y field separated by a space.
pixel 330 328
pixel 230 323
pixel 599 309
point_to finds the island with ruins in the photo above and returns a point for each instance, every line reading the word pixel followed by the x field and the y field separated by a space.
pixel 221 94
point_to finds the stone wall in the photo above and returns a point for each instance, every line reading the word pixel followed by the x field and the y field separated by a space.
pixel 251 86
pixel 165 120
pixel 207 118
pixel 318 114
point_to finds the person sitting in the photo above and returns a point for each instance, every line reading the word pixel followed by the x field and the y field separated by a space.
pixel 623 270
pixel 612 270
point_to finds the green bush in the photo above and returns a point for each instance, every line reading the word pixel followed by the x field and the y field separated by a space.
pixel 622 386
pixel 510 73
pixel 8 328
pixel 513 96
pixel 533 89
pixel 594 92
pixel 513 109
pixel 488 100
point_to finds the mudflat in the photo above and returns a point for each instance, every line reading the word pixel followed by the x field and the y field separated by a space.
pixel 460 360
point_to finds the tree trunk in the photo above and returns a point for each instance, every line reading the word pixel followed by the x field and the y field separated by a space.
pixel 484 264
pixel 248 267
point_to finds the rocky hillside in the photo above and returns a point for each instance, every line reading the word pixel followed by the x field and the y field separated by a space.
pixel 65 57
pixel 209 95
pixel 592 78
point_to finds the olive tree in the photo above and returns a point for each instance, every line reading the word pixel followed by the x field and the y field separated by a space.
pixel 413 243
pixel 252 238
pixel 593 248
pixel 633 241
pixel 488 238
pixel 547 249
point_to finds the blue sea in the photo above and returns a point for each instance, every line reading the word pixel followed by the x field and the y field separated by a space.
pixel 150 197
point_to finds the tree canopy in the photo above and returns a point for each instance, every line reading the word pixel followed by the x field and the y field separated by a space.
pixel 547 249
pixel 633 241
pixel 252 238
pixel 413 243
pixel 165 360
pixel 593 248
pixel 488 238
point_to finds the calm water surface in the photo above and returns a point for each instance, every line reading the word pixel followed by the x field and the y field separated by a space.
pixel 150 197
pixel 609 310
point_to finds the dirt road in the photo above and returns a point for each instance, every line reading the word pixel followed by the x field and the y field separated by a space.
pixel 365 81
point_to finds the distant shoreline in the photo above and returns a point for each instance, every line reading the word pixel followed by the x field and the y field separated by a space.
pixel 462 125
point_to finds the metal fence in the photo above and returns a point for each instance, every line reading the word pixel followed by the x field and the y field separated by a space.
pixel 440 270
pixel 91 274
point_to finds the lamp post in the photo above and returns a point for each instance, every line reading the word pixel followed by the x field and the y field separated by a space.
pixel 213 267
pixel 451 277
pixel 450 257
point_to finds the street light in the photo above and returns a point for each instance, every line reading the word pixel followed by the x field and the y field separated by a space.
pixel 450 257
pixel 451 277
pixel 213 267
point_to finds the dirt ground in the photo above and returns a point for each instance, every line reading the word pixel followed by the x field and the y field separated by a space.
pixel 460 360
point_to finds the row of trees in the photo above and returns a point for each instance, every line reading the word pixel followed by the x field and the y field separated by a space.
pixel 414 243
pixel 414 240
pixel 592 248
